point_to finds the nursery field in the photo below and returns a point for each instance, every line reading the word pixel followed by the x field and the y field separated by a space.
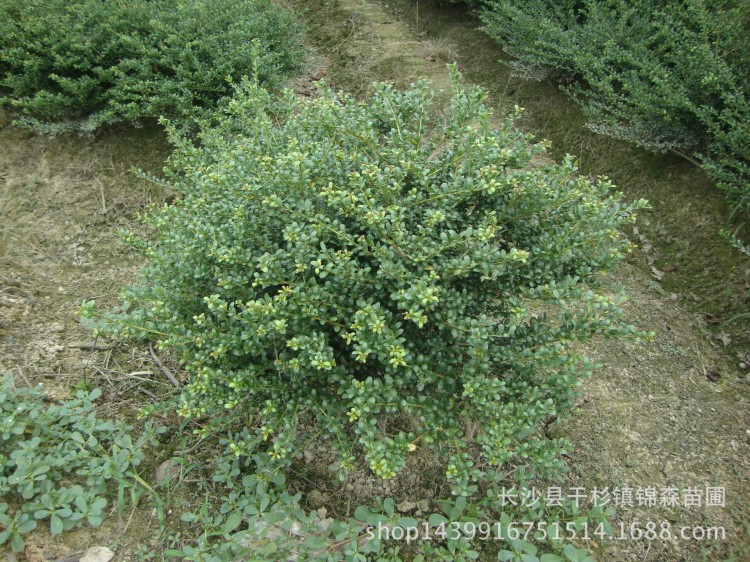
pixel 664 415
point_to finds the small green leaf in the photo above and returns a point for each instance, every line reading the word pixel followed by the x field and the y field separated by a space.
pixel 458 508
pixel 407 522
pixel 56 525
pixel 17 543
pixel 362 513
pixel 389 507
pixel 576 554
pixel 437 519
pixel 189 517
pixel 233 521
pixel 316 542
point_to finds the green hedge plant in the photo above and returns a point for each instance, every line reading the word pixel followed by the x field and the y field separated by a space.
pixel 80 64
pixel 667 76
pixel 401 277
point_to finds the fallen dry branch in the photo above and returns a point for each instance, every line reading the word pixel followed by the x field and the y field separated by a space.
pixel 161 366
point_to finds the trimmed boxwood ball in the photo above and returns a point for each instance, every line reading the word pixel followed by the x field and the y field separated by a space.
pixel 392 272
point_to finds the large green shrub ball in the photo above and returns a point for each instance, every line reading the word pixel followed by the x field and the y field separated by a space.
pixel 404 279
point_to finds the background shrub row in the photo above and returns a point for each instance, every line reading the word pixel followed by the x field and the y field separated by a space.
pixel 668 76
pixel 84 63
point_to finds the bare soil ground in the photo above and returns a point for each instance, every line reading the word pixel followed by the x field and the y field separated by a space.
pixel 649 417
pixel 62 200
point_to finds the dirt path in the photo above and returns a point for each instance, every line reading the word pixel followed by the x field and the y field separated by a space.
pixel 61 202
pixel 650 417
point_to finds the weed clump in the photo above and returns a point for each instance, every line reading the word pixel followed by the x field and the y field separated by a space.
pixel 57 461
